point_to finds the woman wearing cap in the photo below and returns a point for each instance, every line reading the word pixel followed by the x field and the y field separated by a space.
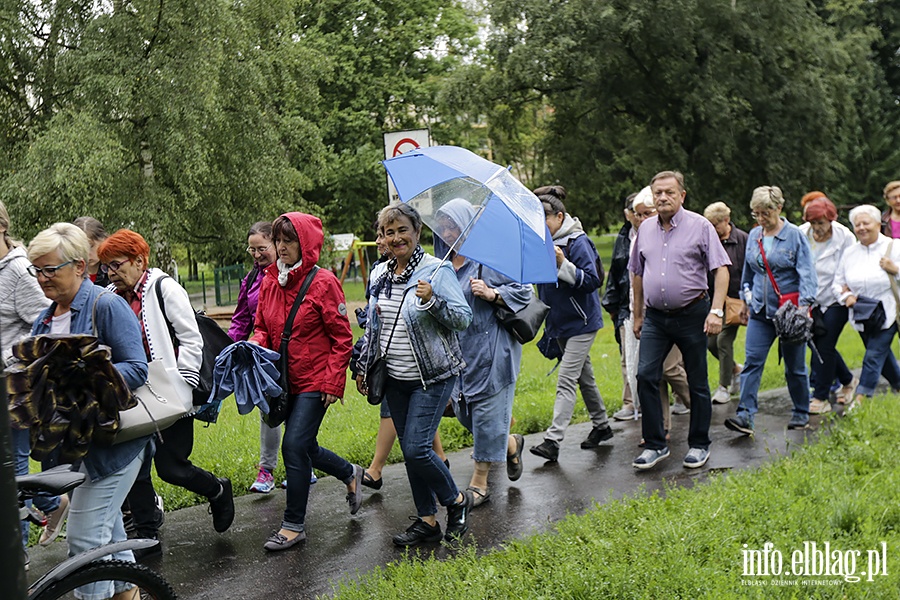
pixel 828 240
pixel 870 268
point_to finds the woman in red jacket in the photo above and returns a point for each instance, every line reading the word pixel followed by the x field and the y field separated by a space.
pixel 318 355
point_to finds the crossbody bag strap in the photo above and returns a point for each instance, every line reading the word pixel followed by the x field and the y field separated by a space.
pixel 94 313
pixel 162 306
pixel 768 270
pixel 289 324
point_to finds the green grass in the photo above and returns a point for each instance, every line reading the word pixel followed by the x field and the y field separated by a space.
pixel 689 543
pixel 230 448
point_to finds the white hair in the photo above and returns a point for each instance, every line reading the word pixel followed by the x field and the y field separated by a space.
pixel 865 209
pixel 645 197
pixel 71 242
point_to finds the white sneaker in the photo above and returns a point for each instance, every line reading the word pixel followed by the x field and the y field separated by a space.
pixel 819 407
pixel 680 409
pixel 721 396
pixel 626 413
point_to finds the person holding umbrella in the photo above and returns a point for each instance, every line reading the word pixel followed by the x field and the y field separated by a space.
pixel 574 319
pixel 414 313
pixel 484 398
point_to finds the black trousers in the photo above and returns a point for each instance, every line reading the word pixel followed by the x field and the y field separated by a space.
pixel 173 466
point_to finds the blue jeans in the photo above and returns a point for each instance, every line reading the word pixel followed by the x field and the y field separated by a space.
pixel 95 518
pixel 21 442
pixel 878 359
pixel 760 337
pixel 822 374
pixel 301 452
pixel 659 333
pixel 417 412
pixel 488 420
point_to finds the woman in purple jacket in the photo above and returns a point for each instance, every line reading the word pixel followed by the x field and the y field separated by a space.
pixel 261 248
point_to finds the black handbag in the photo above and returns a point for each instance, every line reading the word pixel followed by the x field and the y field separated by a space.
pixel 280 407
pixel 524 323
pixel 376 374
pixel 869 313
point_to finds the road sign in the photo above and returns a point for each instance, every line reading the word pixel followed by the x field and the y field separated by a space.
pixel 398 142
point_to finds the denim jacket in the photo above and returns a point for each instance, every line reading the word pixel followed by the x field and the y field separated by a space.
pixel 431 326
pixel 118 328
pixel 792 266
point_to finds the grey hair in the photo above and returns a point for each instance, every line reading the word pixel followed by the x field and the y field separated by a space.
pixel 767 197
pixel 645 197
pixel 69 240
pixel 392 212
pixel 717 212
pixel 865 209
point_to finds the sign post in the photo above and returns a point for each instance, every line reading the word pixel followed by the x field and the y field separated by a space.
pixel 398 142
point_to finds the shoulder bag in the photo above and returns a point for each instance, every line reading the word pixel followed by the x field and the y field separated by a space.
pixel 733 307
pixel 161 401
pixel 793 297
pixel 376 374
pixel 524 323
pixel 280 407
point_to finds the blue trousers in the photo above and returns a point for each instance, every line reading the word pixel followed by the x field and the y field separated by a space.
pixel 659 333
pixel 301 452
pixel 760 337
pixel 417 411
pixel 878 359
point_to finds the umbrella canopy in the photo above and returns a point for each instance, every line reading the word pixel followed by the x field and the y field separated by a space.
pixel 507 232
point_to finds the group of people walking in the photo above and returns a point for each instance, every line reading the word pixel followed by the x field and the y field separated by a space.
pixel 680 284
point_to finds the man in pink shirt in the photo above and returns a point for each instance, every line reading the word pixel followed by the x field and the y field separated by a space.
pixel 671 258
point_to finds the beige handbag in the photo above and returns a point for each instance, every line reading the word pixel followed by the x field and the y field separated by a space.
pixel 165 398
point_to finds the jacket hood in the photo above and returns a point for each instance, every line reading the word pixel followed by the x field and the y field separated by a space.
pixel 458 210
pixel 570 228
pixel 13 253
pixel 309 231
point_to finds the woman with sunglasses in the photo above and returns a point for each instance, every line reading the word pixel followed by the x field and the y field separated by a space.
pixel 168 333
pixel 59 258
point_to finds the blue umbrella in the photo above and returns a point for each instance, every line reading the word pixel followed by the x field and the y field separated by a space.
pixel 507 233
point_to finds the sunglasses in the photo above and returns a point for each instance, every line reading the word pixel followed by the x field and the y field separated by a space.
pixel 114 266
pixel 48 272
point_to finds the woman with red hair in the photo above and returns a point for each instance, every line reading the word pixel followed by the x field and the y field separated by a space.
pixel 169 334
pixel 827 240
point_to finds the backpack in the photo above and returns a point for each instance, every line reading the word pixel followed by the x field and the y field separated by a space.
pixel 214 341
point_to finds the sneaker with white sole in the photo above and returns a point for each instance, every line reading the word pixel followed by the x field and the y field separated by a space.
pixel 626 413
pixel 721 396
pixel 264 483
pixel 680 409
pixel 695 458
pixel 819 407
pixel 649 458
pixel 55 522
pixel 845 394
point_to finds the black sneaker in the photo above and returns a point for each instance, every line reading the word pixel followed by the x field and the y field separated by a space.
pixel 145 553
pixel 458 517
pixel 547 449
pixel 222 507
pixel 739 424
pixel 597 435
pixel 419 532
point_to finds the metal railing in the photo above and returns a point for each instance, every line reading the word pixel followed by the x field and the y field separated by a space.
pixel 228 283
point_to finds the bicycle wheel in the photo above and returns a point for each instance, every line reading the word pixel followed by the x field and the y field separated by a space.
pixel 152 586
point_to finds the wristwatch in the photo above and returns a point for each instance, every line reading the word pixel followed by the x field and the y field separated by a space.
pixel 718 312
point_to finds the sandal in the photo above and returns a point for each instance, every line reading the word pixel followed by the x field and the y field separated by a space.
pixel 514 465
pixel 480 496
pixel 369 482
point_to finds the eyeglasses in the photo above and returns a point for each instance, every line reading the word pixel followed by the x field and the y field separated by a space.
pixel 114 266
pixel 762 214
pixel 254 251
pixel 48 272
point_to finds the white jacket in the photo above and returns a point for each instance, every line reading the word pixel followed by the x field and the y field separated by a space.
pixel 181 314
pixel 828 261
pixel 21 300
pixel 861 272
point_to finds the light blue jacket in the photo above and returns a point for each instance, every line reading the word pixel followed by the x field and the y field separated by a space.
pixel 792 266
pixel 118 328
pixel 431 326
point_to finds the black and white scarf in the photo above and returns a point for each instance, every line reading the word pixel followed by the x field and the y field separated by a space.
pixel 386 281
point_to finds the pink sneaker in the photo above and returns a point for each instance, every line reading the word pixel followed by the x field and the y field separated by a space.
pixel 264 483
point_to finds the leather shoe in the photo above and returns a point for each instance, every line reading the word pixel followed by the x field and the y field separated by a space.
pixel 514 466
pixel 222 506
pixel 278 542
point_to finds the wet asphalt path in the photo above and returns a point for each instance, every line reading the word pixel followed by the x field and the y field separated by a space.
pixel 202 564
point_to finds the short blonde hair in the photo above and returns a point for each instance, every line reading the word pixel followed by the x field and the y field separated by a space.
pixel 890 187
pixel 767 197
pixel 4 224
pixel 865 209
pixel 717 212
pixel 645 197
pixel 69 240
